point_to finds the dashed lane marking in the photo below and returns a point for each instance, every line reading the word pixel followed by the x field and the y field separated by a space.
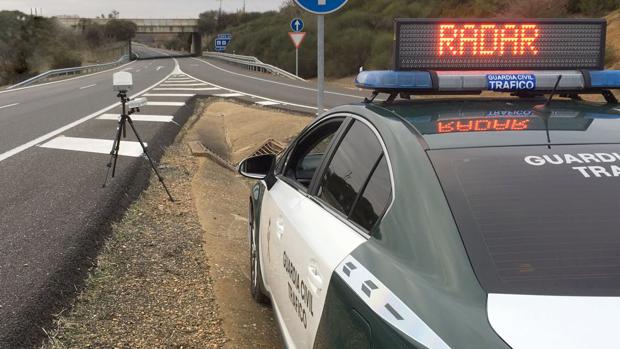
pixel 93 145
pixel 169 95
pixel 229 95
pixel 8 106
pixel 88 86
pixel 166 104
pixel 139 117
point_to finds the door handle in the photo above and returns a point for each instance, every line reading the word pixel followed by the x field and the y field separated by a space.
pixel 315 281
pixel 279 227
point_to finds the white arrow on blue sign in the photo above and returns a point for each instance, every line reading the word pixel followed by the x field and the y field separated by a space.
pixel 297 25
pixel 321 7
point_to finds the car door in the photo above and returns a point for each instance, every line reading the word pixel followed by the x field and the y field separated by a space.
pixel 279 250
pixel 322 228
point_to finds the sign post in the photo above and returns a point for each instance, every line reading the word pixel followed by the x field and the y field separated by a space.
pixel 321 8
pixel 297 39
pixel 297 36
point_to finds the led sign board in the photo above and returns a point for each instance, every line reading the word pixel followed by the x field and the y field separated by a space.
pixel 455 44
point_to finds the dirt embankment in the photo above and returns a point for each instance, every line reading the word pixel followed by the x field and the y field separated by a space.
pixel 235 131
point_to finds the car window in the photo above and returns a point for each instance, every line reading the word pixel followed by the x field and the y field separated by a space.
pixel 348 171
pixel 375 197
pixel 308 153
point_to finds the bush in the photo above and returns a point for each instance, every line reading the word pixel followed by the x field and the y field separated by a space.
pixel 65 59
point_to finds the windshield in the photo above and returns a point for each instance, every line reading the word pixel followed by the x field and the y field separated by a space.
pixel 536 220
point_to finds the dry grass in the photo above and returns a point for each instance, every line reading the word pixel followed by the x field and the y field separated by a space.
pixel 151 286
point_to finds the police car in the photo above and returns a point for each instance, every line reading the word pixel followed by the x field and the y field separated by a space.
pixel 452 222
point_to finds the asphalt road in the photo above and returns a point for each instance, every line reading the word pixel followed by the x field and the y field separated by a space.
pixel 54 140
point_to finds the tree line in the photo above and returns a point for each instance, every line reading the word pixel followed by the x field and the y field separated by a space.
pixel 30 44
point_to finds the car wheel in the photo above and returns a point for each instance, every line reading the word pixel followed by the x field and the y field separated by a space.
pixel 256 277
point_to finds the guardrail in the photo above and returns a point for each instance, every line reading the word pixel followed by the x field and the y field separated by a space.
pixel 252 63
pixel 87 69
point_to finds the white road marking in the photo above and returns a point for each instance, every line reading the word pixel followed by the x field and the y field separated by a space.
pixel 139 70
pixel 260 97
pixel 184 81
pixel 88 86
pixel 60 130
pixel 169 95
pixel 8 106
pixel 266 103
pixel 166 104
pixel 186 89
pixel 127 69
pixel 92 145
pixel 139 117
pixel 275 82
pixel 159 68
pixel 181 85
pixel 229 95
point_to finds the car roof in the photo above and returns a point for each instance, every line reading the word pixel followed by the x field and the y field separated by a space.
pixel 487 122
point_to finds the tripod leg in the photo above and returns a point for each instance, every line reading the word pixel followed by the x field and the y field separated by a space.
pixel 161 179
pixel 122 127
pixel 113 152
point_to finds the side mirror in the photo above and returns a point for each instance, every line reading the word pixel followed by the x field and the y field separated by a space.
pixel 257 167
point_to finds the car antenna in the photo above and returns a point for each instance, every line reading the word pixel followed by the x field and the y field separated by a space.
pixel 545 113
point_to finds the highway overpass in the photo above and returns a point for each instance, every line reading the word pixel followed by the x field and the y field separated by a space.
pixel 146 26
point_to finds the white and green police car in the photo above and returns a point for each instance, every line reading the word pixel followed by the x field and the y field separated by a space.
pixel 452 222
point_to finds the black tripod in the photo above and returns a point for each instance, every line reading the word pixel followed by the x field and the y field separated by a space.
pixel 122 130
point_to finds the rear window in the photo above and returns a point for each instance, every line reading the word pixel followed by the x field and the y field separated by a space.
pixel 536 220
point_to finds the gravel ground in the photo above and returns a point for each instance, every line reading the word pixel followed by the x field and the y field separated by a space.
pixel 151 286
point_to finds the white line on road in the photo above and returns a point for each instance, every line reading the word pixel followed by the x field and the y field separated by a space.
pixel 159 68
pixel 184 81
pixel 88 86
pixel 181 85
pixel 139 117
pixel 169 95
pixel 8 106
pixel 229 95
pixel 186 89
pixel 92 145
pixel 266 103
pixel 275 82
pixel 166 104
pixel 60 130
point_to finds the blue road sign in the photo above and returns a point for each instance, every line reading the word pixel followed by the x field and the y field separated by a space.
pixel 297 25
pixel 224 36
pixel 221 43
pixel 321 7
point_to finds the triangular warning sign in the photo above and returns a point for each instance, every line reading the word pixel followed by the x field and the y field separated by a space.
pixel 297 38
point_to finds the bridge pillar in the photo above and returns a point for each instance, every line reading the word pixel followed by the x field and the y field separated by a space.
pixel 196 48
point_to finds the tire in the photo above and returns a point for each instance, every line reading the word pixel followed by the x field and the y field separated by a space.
pixel 257 287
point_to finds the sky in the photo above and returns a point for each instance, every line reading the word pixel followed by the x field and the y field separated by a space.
pixel 136 8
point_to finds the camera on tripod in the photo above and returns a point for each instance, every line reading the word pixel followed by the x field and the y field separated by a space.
pixel 123 82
